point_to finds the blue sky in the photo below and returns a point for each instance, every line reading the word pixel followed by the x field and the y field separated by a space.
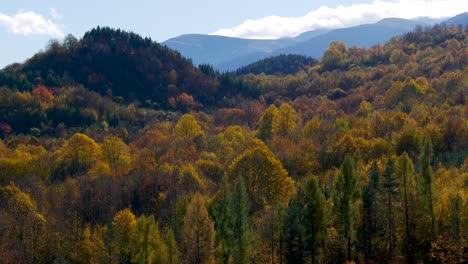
pixel 27 26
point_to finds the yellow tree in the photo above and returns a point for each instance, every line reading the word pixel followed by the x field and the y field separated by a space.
pixel 265 124
pixel 197 233
pixel 187 127
pixel 21 222
pixel 124 226
pixel 80 152
pixel 284 122
pixel 267 181
pixel 115 152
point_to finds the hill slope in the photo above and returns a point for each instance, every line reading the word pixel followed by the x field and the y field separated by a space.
pixel 118 64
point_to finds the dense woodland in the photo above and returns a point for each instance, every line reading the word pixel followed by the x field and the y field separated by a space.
pixel 115 149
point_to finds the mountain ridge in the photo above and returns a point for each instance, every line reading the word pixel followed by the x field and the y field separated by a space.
pixel 311 43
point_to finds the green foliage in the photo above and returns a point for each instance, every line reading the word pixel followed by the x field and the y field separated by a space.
pixel 314 217
pixel 345 197
pixel 73 159
pixel 243 238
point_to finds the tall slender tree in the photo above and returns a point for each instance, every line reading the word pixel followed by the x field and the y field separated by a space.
pixel 369 211
pixel 390 191
pixel 405 173
pixel 197 233
pixel 295 230
pixel 426 186
pixel 223 215
pixel 243 242
pixel 314 216
pixel 345 198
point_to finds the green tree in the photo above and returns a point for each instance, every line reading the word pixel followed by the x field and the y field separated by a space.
pixel 197 233
pixel 295 231
pixel 405 174
pixel 369 200
pixel 243 240
pixel 223 214
pixel 345 198
pixel 426 186
pixel 151 248
pixel 314 216
pixel 390 191
pixel 172 249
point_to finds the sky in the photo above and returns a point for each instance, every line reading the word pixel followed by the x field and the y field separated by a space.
pixel 28 26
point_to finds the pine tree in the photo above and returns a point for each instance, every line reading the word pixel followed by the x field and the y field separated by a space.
pixel 223 215
pixel 405 173
pixel 314 216
pixel 345 198
pixel 426 187
pixel 390 186
pixel 369 212
pixel 243 240
pixel 295 230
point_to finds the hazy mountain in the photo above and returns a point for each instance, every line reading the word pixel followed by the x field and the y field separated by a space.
pixel 216 49
pixel 362 36
pixel 461 19
pixel 227 53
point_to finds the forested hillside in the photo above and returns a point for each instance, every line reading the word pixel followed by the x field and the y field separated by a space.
pixel 117 150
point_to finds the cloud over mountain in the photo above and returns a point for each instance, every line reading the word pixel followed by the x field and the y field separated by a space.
pixel 272 27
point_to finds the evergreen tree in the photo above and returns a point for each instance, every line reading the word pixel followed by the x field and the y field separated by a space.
pixel 243 239
pixel 345 198
pixel 223 215
pixel 405 173
pixel 390 186
pixel 369 212
pixel 295 230
pixel 314 216
pixel 426 186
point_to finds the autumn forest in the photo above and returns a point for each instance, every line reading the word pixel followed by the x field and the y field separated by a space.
pixel 116 149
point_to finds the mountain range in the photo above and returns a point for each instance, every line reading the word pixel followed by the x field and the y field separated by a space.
pixel 228 53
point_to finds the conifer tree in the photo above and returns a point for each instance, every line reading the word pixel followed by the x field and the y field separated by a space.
pixel 223 215
pixel 426 186
pixel 295 230
pixel 390 186
pixel 369 213
pixel 243 239
pixel 314 216
pixel 345 198
pixel 405 173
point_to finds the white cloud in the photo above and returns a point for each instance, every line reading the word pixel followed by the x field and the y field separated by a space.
pixel 30 23
pixel 55 13
pixel 344 16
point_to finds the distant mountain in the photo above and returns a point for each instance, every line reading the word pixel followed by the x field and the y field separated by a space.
pixel 228 54
pixel 216 49
pixel 363 36
pixel 461 19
